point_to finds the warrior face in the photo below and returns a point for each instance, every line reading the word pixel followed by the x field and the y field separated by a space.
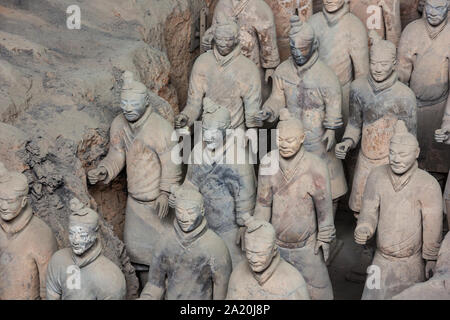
pixel 259 253
pixel 333 5
pixel 81 237
pixel 436 11
pixel 226 38
pixel 11 204
pixel 301 51
pixel 290 140
pixel 133 106
pixel 402 157
pixel 213 138
pixel 382 64
pixel 189 214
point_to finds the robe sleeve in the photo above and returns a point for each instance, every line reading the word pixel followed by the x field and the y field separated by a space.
pixel 221 271
pixel 359 51
pixel 244 193
pixel 432 219
pixel 114 162
pixel 368 217
pixel 332 97
pixel 155 287
pixel 409 114
pixel 267 36
pixel 446 119
pixel 355 121
pixel 392 20
pixel 42 257
pixel 405 58
pixel 323 203
pixel 170 171
pixel 277 100
pixel 53 282
pixel 252 96
pixel 196 93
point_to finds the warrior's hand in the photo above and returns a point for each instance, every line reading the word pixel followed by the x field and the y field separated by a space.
pixel 269 74
pixel 264 114
pixel 362 234
pixel 330 138
pixel 429 268
pixel 240 237
pixel 96 175
pixel 325 248
pixel 162 205
pixel 181 121
pixel 342 149
pixel 441 135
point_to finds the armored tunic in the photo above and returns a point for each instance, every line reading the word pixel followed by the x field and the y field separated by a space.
pixel 312 94
pixel 144 147
pixel 375 109
pixel 232 82
pixel 26 247
pixel 90 277
pixel 424 65
pixel 280 281
pixel 406 214
pixel 197 265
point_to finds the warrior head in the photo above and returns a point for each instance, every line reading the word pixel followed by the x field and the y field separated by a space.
pixel 260 247
pixel 291 134
pixel 383 57
pixel 226 37
pixel 83 227
pixel 404 149
pixel 333 5
pixel 302 41
pixel 436 11
pixel 189 208
pixel 215 122
pixel 13 193
pixel 134 98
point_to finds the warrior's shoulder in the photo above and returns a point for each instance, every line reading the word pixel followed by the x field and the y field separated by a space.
pixel 118 123
pixel 414 28
pixel 426 180
pixel 42 232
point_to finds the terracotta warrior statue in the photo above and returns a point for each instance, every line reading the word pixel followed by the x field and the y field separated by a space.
pixel 299 85
pixel 436 288
pixel 81 272
pixel 377 102
pixel 283 10
pixel 228 186
pixel 140 140
pixel 443 136
pixel 26 242
pixel 383 16
pixel 257 33
pixel 265 275
pixel 226 77
pixel 191 262
pixel 343 44
pixel 297 201
pixel 424 65
pixel 402 204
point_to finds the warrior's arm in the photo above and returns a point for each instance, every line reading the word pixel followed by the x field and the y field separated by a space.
pixel 53 286
pixel 277 100
pixel 196 93
pixel 267 36
pixel 369 214
pixel 332 97
pixel 221 270
pixel 391 17
pixel 42 258
pixel 263 209
pixel 409 114
pixel 245 195
pixel 114 161
pixel 359 51
pixel 355 121
pixel 405 58
pixel 171 172
pixel 252 96
pixel 155 287
pixel 323 203
pixel 446 119
pixel 432 208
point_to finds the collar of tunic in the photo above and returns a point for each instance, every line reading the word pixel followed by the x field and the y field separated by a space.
pixel 334 17
pixel 223 61
pixel 308 65
pixel 18 223
pixel 239 6
pixel 186 239
pixel 138 124
pixel 433 32
pixel 377 87
pixel 399 182
pixel 88 257
pixel 289 166
pixel 266 274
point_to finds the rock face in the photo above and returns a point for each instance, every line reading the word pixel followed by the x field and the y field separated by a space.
pixel 59 91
